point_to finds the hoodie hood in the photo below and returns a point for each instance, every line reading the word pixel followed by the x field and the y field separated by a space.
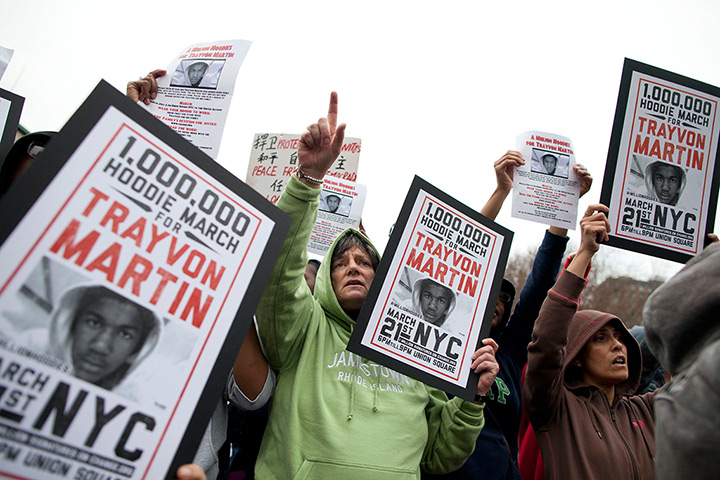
pixel 681 316
pixel 324 292
pixel 61 337
pixel 584 325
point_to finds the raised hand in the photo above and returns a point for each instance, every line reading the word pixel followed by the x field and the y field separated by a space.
pixel 594 227
pixel 585 178
pixel 320 145
pixel 505 168
pixel 145 89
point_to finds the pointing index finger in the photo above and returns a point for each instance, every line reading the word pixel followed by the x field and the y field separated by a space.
pixel 333 113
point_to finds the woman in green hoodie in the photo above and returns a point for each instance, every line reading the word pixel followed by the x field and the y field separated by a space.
pixel 335 414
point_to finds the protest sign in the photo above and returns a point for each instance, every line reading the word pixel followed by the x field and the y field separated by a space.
pixel 273 160
pixel 341 205
pixel 660 183
pixel 10 108
pixel 194 96
pixel 546 189
pixel 132 264
pixel 434 292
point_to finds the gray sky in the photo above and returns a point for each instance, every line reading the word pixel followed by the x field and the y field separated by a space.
pixel 440 92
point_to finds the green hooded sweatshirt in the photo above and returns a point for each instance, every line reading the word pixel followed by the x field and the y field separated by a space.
pixel 336 415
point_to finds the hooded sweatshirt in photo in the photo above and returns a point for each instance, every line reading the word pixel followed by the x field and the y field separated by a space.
pixel 336 415
pixel 57 340
pixel 581 435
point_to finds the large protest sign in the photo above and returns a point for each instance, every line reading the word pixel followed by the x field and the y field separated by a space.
pixel 340 207
pixel 132 264
pixel 194 97
pixel 434 292
pixel 546 189
pixel 661 180
pixel 10 109
pixel 273 159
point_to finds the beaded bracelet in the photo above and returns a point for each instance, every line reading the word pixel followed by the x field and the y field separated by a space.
pixel 312 180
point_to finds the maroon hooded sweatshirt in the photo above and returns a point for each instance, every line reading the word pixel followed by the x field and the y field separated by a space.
pixel 581 435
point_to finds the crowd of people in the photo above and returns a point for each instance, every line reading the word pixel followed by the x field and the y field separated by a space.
pixel 561 391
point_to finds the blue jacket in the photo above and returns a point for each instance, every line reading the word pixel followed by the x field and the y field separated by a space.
pixel 496 449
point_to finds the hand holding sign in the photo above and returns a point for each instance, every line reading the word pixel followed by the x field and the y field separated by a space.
pixel 504 168
pixel 191 472
pixel 320 145
pixel 485 364
pixel 585 178
pixel 146 88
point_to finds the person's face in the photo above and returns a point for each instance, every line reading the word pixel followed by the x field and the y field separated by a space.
pixel 499 312
pixel 351 275
pixel 333 203
pixel 549 162
pixel 195 73
pixel 310 274
pixel 604 358
pixel 434 302
pixel 666 182
pixel 105 334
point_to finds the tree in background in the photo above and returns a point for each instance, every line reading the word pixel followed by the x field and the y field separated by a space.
pixel 621 295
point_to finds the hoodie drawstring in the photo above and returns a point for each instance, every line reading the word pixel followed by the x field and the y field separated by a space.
pixel 352 393
pixel 593 420
pixel 376 398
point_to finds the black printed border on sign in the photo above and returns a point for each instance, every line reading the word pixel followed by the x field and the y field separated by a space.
pixel 20 198
pixel 629 67
pixel 11 122
pixel 382 276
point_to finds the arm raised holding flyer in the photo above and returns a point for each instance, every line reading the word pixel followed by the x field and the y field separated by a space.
pixel 325 394
pixel 583 368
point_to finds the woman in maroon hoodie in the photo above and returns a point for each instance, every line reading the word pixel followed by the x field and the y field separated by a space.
pixel 583 367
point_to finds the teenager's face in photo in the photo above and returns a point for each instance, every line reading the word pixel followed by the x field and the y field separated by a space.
pixel 105 334
pixel 549 162
pixel 333 203
pixel 666 181
pixel 196 73
pixel 434 302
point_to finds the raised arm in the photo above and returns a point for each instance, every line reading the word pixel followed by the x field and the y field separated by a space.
pixel 585 185
pixel 504 172
pixel 286 307
pixel 320 146
pixel 542 390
